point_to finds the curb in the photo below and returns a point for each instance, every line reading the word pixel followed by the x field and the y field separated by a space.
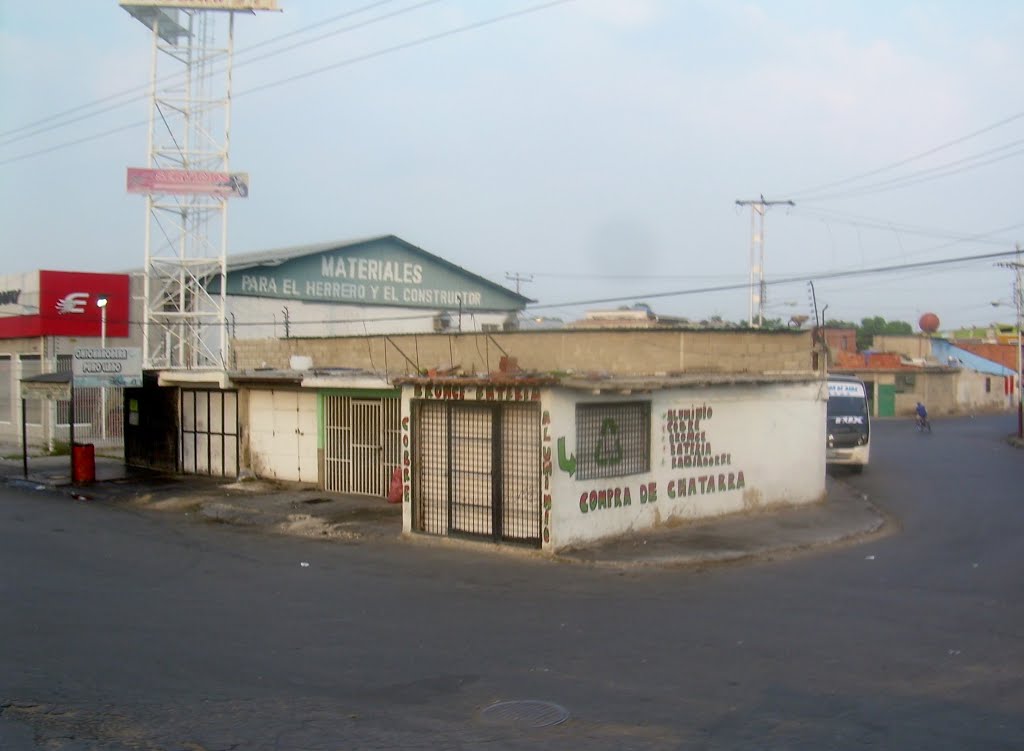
pixel 846 517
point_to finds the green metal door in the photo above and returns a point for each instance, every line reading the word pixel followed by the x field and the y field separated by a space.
pixel 887 400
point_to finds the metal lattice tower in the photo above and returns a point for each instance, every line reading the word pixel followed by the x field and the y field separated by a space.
pixel 758 288
pixel 189 135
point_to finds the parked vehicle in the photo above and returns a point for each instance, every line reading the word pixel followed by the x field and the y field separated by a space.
pixel 848 423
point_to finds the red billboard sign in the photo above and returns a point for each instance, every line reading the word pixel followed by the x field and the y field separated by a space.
pixel 67 306
pixel 187 182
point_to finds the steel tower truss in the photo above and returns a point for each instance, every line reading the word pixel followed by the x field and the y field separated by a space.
pixel 186 234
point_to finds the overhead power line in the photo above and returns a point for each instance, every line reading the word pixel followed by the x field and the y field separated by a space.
pixel 865 222
pixel 76 142
pixel 315 71
pixel 140 92
pixel 795 279
pixel 409 45
pixel 806 192
pixel 800 279
pixel 926 175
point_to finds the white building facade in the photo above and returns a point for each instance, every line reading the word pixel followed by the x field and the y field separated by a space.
pixel 559 463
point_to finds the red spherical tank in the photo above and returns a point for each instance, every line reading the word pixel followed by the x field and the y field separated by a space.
pixel 929 323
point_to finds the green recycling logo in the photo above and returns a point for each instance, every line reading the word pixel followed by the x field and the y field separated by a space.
pixel 606 455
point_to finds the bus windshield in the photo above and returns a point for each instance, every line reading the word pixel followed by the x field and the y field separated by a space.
pixel 846 406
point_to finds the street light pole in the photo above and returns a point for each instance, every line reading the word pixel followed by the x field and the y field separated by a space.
pixel 1018 298
pixel 1018 301
pixel 101 303
pixel 1020 386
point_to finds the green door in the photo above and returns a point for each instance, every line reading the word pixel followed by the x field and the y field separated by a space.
pixel 887 400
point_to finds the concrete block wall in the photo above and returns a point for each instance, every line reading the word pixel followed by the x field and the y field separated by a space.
pixel 602 351
pixel 915 346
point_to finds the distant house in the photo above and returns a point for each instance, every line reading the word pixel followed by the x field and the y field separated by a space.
pixel 637 317
pixel 839 339
pixel 902 370
pixel 996 333
pixel 1003 354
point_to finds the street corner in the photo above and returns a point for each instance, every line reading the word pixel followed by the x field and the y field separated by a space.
pixel 856 511
pixel 844 516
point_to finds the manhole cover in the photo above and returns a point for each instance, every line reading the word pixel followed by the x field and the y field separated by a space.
pixel 525 713
pixel 314 501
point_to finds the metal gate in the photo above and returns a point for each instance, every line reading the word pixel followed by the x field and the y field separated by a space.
pixel 362 442
pixel 209 433
pixel 478 470
pixel 99 417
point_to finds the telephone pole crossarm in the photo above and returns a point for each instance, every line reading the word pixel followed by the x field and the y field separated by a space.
pixel 518 279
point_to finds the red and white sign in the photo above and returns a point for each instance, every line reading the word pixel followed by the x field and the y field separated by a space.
pixel 63 303
pixel 187 182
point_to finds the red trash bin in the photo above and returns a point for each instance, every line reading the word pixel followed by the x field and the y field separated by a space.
pixel 396 488
pixel 83 456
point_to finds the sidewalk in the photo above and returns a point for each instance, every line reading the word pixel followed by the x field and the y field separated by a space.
pixel 301 510
pixel 845 517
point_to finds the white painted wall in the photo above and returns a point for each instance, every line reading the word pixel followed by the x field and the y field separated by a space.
pixel 971 395
pixel 771 439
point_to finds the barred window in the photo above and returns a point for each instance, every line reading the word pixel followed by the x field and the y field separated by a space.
pixel 613 440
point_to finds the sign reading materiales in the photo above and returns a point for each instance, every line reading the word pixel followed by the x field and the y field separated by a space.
pixel 378 272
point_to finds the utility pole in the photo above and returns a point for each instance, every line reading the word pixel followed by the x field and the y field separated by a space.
pixel 1018 301
pixel 758 290
pixel 518 278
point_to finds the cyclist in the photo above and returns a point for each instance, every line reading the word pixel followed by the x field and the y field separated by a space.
pixel 922 417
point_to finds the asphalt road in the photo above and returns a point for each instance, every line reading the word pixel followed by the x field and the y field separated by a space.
pixel 126 630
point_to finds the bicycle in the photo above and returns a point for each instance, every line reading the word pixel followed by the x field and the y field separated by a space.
pixel 923 424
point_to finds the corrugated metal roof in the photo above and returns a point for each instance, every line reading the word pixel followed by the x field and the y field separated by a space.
pixel 275 257
pixel 946 352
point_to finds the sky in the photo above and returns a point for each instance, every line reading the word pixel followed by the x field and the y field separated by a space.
pixel 597 148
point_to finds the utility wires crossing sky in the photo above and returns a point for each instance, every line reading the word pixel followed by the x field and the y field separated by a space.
pixel 391 49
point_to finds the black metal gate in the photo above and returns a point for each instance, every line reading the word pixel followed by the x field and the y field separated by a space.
pixel 209 433
pixel 478 470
